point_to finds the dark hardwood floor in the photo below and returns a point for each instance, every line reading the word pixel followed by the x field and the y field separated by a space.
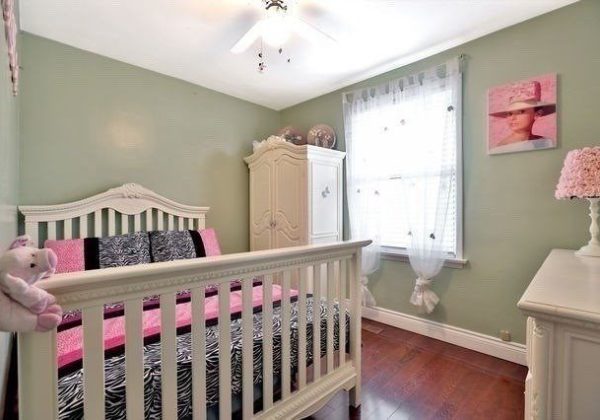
pixel 409 376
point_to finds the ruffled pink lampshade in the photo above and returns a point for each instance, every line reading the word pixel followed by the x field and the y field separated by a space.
pixel 580 175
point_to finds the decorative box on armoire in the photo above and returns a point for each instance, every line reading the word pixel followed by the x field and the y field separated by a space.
pixel 295 195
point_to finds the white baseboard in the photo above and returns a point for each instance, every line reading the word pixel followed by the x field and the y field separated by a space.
pixel 513 352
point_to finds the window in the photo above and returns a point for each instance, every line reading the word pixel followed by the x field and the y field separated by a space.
pixel 414 137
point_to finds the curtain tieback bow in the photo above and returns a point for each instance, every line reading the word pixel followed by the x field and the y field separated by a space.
pixel 423 297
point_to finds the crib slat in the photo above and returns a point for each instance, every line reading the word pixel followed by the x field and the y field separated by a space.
pixel 32 229
pixel 93 363
pixel 83 226
pixel 160 220
pixel 224 352
pixel 68 228
pixel 112 225
pixel 267 342
pixel 190 224
pixel 168 354
pixel 137 223
pixel 317 287
pixel 98 223
pixel 302 330
pixel 198 355
pixel 330 293
pixel 180 223
pixel 124 223
pixel 285 335
pixel 355 317
pixel 134 359
pixel 247 350
pixel 38 377
pixel 149 224
pixel 51 230
pixel 171 225
pixel 342 312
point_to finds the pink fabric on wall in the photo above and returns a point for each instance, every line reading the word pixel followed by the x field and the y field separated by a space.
pixel 70 254
pixel 211 243
pixel 69 342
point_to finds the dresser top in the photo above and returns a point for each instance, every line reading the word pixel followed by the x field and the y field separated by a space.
pixel 567 286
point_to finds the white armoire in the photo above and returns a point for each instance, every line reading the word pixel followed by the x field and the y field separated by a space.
pixel 295 195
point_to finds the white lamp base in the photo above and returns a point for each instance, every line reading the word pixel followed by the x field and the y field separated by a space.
pixel 592 249
pixel 589 250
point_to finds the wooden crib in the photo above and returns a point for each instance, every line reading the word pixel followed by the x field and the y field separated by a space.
pixel 328 272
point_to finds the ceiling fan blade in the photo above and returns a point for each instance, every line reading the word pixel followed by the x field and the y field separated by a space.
pixel 309 32
pixel 248 39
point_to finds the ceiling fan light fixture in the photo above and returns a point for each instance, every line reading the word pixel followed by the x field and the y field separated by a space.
pixel 276 28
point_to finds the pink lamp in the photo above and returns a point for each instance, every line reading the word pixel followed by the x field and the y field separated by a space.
pixel 580 178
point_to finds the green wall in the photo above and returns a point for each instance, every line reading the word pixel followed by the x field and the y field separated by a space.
pixel 511 219
pixel 89 123
pixel 9 151
pixel 9 179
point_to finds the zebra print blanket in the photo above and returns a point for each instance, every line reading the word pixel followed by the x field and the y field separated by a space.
pixel 71 385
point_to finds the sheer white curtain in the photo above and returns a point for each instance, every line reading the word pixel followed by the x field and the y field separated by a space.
pixel 401 142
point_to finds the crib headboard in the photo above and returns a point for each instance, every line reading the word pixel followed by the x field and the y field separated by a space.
pixel 125 209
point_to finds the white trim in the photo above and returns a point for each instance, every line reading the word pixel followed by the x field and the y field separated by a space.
pixel 401 254
pixel 459 168
pixel 511 351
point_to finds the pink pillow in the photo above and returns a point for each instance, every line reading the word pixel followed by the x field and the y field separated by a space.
pixel 210 241
pixel 70 254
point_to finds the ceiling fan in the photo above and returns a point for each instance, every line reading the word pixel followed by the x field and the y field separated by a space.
pixel 277 26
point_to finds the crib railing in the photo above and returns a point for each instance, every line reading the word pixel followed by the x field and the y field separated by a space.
pixel 330 271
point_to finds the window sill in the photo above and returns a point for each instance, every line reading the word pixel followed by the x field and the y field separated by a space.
pixel 400 254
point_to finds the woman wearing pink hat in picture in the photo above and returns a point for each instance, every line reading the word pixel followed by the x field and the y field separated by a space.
pixel 524 109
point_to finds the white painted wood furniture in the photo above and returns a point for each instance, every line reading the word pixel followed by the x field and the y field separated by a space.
pixel 133 208
pixel 295 195
pixel 563 338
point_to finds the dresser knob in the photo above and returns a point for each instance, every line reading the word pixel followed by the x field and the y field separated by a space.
pixel 325 192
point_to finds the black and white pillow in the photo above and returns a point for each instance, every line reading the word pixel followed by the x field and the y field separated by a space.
pixel 117 251
pixel 171 245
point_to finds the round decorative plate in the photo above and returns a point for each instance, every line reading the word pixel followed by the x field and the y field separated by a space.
pixel 293 135
pixel 321 135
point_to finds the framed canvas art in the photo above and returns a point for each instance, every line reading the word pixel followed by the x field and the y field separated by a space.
pixel 522 115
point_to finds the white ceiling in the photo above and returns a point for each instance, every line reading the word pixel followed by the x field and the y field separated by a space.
pixel 191 39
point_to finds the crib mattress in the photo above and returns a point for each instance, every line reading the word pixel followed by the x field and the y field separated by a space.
pixel 70 382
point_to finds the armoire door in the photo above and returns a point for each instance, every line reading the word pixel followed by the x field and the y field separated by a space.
pixel 326 202
pixel 290 202
pixel 261 204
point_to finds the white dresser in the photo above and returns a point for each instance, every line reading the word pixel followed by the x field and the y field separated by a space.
pixel 563 338
pixel 295 195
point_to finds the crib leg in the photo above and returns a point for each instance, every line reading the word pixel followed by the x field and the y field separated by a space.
pixel 355 396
